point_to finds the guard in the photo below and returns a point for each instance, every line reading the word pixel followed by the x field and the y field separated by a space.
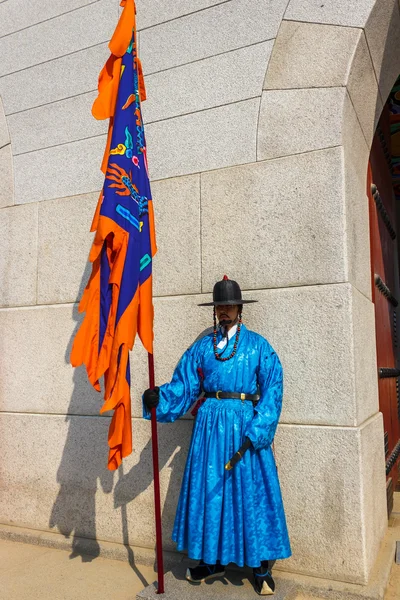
pixel 228 514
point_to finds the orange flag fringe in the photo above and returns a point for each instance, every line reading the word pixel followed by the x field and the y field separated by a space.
pixel 117 301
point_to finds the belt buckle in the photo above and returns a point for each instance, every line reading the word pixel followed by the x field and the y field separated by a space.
pixel 217 394
pixel 242 397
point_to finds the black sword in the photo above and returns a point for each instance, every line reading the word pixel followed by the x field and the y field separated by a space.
pixel 238 455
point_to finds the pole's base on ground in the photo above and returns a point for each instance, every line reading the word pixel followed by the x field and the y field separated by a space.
pixel 235 585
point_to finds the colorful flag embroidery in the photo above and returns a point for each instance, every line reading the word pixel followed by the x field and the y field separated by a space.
pixel 118 298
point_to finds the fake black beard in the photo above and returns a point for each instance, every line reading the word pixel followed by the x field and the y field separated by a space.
pixel 225 322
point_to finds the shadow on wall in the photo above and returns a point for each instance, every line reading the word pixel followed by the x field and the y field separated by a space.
pixel 83 466
pixel 74 511
pixel 140 477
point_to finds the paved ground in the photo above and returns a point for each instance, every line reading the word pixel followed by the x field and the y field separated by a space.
pixel 393 590
pixel 33 572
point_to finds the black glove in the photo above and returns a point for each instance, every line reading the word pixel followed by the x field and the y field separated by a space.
pixel 151 398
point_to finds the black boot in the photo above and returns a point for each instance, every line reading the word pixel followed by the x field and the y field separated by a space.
pixel 203 572
pixel 263 582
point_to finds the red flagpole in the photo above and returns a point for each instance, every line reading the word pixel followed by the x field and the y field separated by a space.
pixel 157 500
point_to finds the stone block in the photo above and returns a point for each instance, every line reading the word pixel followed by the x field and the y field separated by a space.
pixel 18 264
pixel 63 250
pixel 152 12
pixel 374 483
pixel 351 13
pixel 363 90
pixel 291 222
pixel 295 121
pixel 324 483
pixel 70 32
pixel 307 55
pixel 64 77
pixel 36 374
pixel 4 133
pixel 364 349
pixel 140 372
pixel 318 333
pixel 6 177
pixel 78 496
pixel 58 172
pixel 356 154
pixel 56 123
pixel 383 36
pixel 218 29
pixel 65 240
pixel 223 79
pixel 19 14
pixel 178 321
pixel 205 140
pixel 177 264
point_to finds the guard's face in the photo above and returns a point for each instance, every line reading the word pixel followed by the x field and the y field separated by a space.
pixel 226 312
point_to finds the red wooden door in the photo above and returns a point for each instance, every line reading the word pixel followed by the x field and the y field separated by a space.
pixel 385 285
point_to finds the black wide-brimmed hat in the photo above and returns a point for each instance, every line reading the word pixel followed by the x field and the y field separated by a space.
pixel 227 292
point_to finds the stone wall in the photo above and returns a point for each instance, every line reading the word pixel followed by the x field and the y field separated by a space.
pixel 259 122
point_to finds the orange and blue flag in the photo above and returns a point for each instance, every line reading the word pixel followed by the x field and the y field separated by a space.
pixel 118 298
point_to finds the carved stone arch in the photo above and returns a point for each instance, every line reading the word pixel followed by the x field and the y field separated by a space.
pixel 325 87
pixel 324 90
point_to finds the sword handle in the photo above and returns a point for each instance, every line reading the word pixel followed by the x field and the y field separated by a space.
pixel 238 455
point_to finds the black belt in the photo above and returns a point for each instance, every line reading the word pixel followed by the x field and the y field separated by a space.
pixel 233 396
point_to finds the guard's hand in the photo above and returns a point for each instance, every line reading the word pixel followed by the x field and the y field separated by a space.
pixel 151 398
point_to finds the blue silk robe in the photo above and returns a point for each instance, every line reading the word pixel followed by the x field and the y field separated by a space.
pixel 233 516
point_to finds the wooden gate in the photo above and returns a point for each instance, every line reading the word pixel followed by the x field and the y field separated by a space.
pixel 385 285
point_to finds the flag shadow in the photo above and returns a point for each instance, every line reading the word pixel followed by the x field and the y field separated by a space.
pixel 83 463
pixel 172 456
